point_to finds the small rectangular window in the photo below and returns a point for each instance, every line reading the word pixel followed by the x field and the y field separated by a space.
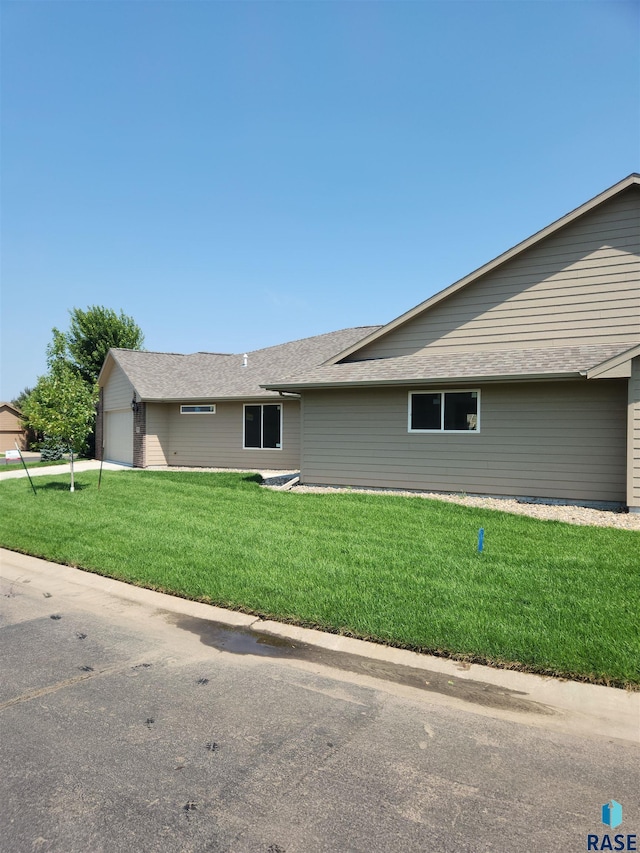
pixel 205 409
pixel 444 411
pixel 263 426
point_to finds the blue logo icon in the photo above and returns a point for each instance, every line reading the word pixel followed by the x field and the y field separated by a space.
pixel 612 814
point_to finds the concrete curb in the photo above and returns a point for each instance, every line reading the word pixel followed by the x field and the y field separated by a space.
pixel 582 709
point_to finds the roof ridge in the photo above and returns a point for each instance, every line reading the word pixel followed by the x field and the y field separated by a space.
pixel 313 337
pixel 145 351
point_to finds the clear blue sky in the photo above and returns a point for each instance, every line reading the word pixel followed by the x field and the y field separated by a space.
pixel 238 174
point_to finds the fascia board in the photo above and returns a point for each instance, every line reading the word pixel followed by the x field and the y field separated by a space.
pixel 106 366
pixel 610 363
pixel 208 398
pixel 448 380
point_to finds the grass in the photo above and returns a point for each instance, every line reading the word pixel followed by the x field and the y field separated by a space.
pixel 544 596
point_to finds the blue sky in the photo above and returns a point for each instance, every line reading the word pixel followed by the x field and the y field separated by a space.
pixel 239 174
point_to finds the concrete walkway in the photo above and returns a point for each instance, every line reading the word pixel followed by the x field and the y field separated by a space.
pixel 81 465
pixel 275 478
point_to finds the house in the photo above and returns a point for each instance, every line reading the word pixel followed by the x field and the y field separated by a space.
pixel 521 379
pixel 207 409
pixel 11 428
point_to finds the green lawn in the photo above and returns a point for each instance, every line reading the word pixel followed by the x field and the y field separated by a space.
pixel 545 596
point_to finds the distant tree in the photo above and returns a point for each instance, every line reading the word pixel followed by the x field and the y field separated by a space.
pixel 62 405
pixel 19 401
pixel 92 333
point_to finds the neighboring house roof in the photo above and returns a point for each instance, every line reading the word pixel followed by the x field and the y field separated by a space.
pixel 160 376
pixel 440 368
pixel 601 198
pixel 13 408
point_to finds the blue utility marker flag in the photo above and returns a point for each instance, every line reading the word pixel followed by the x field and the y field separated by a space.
pixel 481 539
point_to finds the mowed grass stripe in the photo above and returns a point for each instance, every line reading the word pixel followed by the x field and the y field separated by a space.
pixel 545 596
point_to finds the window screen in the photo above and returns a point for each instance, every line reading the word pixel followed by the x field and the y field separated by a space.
pixel 271 426
pixel 426 411
pixel 253 426
pixel 461 410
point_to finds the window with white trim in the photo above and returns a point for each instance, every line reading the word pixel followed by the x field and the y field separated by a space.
pixel 444 411
pixel 262 426
pixel 200 409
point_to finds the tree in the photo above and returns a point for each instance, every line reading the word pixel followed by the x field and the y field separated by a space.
pixel 19 401
pixel 57 406
pixel 62 405
pixel 92 333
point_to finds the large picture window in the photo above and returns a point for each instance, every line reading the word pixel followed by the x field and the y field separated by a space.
pixel 444 411
pixel 263 426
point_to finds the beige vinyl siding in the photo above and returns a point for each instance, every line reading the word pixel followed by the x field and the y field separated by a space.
pixel 553 440
pixel 216 440
pixel 11 430
pixel 118 391
pixel 9 420
pixel 633 450
pixel 157 434
pixel 579 286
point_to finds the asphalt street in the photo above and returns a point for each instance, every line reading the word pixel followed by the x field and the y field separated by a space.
pixel 131 721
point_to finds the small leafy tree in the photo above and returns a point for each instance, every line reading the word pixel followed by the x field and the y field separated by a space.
pixel 62 405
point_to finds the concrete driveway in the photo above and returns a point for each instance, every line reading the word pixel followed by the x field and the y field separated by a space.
pixel 135 721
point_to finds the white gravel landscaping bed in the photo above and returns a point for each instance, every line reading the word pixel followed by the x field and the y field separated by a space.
pixel 570 514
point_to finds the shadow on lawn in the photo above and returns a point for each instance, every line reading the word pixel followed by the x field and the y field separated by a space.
pixel 61 487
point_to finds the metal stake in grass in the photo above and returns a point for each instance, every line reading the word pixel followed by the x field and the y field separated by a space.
pixel 101 463
pixel 480 540
pixel 25 468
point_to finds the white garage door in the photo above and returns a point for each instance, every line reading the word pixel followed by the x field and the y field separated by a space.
pixel 118 436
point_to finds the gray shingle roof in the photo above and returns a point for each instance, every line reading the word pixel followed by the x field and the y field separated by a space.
pixel 436 366
pixel 208 376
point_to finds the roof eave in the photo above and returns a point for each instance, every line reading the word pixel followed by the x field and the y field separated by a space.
pixel 610 363
pixel 108 357
pixel 426 380
pixel 207 398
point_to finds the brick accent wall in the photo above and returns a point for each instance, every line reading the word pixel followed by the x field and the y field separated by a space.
pixel 139 433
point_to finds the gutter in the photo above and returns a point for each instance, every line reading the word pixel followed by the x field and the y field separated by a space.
pixel 447 380
pixel 207 398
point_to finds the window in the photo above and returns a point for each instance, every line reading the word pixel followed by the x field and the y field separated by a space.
pixel 262 426
pixel 444 411
pixel 209 409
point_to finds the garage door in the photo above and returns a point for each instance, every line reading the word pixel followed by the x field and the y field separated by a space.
pixel 118 436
